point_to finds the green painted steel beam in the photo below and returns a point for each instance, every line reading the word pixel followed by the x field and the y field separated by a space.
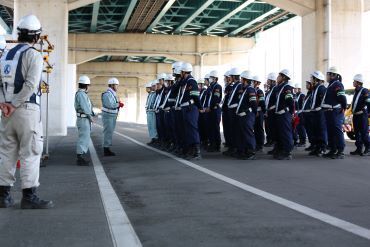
pixel 256 20
pixel 5 26
pixel 94 18
pixel 228 16
pixel 194 15
pixel 160 15
pixel 129 11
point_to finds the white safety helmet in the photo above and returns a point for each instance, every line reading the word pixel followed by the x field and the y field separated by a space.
pixel 187 67
pixel 148 85
pixel 169 77
pixel 272 76
pixel 29 24
pixel 206 76
pixel 84 79
pixel 227 73
pixel 256 78
pixel 213 73
pixel 286 72
pixel 157 81
pixel 161 76
pixel 298 85
pixel 177 68
pixel 154 83
pixel 246 75
pixel 2 42
pixel 235 71
pixel 359 78
pixel 318 75
pixel 176 64
pixel 113 81
pixel 333 70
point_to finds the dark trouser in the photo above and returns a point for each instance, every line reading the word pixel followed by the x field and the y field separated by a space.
pixel 271 122
pixel 308 124
pixel 246 138
pixel 214 119
pixel 191 131
pixel 232 118
pixel 160 125
pixel 226 125
pixel 284 133
pixel 168 127
pixel 179 123
pixel 319 129
pixel 202 123
pixel 172 123
pixel 361 128
pixel 334 124
pixel 301 130
pixel 259 131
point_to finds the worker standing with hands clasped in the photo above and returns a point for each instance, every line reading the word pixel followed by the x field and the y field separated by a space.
pixel 110 109
pixel 85 115
pixel 21 136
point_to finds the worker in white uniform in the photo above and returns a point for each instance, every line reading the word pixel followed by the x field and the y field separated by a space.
pixel 110 109
pixel 85 114
pixel 21 133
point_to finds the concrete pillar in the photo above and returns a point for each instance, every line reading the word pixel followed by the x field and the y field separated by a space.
pixel 53 15
pixel 332 36
pixel 71 89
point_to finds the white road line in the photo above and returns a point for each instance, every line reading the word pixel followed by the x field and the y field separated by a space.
pixel 331 220
pixel 121 230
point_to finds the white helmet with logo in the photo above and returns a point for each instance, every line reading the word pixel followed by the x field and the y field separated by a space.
pixel 84 79
pixel 187 67
pixel 29 24
pixel 359 78
pixel 113 81
pixel 318 75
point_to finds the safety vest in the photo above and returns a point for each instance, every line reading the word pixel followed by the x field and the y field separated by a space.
pixel 11 74
pixel 108 109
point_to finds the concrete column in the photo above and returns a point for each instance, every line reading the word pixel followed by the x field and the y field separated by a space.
pixel 332 36
pixel 71 89
pixel 53 15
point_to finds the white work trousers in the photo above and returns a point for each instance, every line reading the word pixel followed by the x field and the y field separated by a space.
pixel 21 139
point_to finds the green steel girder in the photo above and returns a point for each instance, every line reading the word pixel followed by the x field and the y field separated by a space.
pixel 6 18
pixel 134 59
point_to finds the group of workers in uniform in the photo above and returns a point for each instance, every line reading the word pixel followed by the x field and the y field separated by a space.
pixel 85 117
pixel 184 116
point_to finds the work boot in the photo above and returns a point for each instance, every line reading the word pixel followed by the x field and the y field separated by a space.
pixel 366 152
pixel 358 151
pixel 330 155
pixel 81 161
pixel 108 152
pixel 151 142
pixel 339 155
pixel 196 153
pixel 31 201
pixel 6 200
pixel 285 156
